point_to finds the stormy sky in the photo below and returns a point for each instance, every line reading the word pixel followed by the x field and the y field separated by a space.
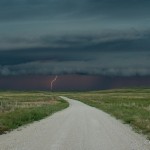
pixel 93 37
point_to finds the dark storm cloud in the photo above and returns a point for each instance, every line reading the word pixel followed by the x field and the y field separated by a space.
pixel 106 40
pixel 107 37
pixel 116 53
pixel 100 66
pixel 24 9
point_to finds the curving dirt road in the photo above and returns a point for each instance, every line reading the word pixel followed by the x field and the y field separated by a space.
pixel 79 127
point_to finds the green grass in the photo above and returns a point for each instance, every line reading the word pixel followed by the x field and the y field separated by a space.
pixel 19 108
pixel 130 105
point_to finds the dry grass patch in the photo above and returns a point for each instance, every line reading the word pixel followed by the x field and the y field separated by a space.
pixel 19 108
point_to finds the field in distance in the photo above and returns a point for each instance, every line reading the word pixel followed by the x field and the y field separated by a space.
pixel 19 108
pixel 130 105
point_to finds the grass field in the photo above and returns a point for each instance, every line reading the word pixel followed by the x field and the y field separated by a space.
pixel 19 108
pixel 130 105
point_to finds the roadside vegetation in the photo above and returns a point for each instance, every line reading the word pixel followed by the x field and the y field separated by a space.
pixel 19 108
pixel 130 105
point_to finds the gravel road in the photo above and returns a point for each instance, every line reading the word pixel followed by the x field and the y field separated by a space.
pixel 79 127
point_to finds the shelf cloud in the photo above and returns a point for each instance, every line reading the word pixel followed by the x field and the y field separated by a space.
pixel 107 37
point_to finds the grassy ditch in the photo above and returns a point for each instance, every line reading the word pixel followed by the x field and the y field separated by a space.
pixel 130 105
pixel 19 108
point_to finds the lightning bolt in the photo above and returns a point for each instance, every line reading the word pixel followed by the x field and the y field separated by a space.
pixel 52 82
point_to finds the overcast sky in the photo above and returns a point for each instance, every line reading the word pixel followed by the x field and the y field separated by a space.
pixel 102 37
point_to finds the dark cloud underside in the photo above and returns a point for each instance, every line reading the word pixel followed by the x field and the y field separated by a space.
pixel 103 37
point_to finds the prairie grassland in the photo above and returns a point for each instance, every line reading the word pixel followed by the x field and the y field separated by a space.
pixel 130 105
pixel 19 108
